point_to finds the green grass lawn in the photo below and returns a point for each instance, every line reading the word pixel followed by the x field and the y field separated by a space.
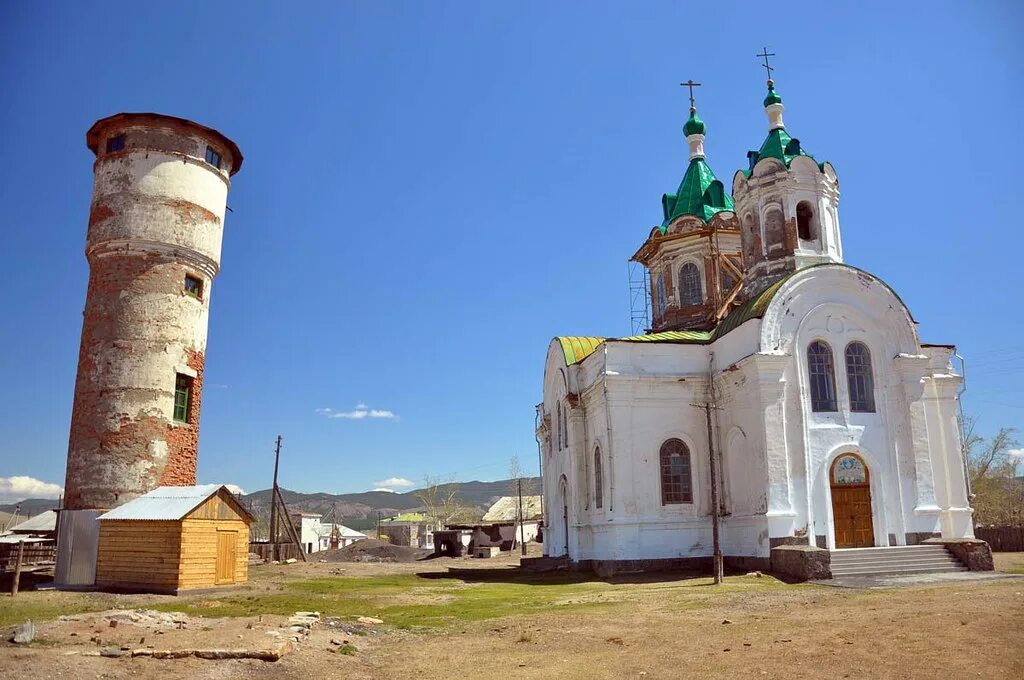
pixel 411 601
pixel 406 600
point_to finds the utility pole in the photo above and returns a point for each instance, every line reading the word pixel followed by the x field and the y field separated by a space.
pixel 522 528
pixel 378 525
pixel 275 551
pixel 707 406
pixel 717 547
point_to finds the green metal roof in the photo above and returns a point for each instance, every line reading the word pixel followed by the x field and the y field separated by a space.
pixel 407 517
pixel 778 145
pixel 576 349
pixel 700 194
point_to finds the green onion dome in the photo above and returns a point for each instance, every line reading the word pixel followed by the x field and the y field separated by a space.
pixel 694 125
pixel 773 96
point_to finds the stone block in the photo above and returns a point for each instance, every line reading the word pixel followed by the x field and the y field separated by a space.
pixel 801 563
pixel 975 554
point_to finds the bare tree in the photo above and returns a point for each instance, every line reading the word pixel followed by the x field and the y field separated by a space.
pixel 441 500
pixel 516 474
pixel 998 493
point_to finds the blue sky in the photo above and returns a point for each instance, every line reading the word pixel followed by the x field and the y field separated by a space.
pixel 432 191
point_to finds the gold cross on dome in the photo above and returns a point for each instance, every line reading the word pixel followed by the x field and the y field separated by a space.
pixel 690 84
pixel 767 67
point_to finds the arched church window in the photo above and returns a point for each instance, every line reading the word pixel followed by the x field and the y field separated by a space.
pixel 859 378
pixel 598 479
pixel 805 221
pixel 690 290
pixel 661 299
pixel 676 486
pixel 558 424
pixel 751 240
pixel 775 231
pixel 822 376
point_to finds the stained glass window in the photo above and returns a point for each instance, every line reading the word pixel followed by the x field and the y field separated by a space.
pixel 849 470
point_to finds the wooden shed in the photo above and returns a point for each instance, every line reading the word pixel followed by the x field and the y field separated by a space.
pixel 173 539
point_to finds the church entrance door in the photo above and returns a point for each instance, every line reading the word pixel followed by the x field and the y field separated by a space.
pixel 851 502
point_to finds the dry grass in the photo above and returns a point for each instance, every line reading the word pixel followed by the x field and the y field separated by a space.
pixel 498 624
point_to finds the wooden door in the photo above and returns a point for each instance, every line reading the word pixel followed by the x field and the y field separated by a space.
pixel 851 503
pixel 227 546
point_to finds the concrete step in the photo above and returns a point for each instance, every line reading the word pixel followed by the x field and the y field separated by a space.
pixel 917 559
pixel 901 564
pixel 897 571
pixel 894 550
pixel 900 558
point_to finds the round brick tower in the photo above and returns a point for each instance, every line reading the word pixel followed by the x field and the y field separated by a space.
pixel 153 248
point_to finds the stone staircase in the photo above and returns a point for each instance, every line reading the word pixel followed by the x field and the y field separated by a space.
pixel 911 559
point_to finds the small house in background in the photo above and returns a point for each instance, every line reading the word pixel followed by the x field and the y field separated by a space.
pixel 500 527
pixel 345 537
pixel 174 539
pixel 409 529
pixel 43 525
pixel 308 526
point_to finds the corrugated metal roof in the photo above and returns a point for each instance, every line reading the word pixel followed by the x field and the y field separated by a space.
pixel 46 521
pixel 343 531
pixel 506 509
pixel 164 503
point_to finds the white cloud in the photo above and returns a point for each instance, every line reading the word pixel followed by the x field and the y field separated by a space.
pixel 391 483
pixel 383 489
pixel 18 488
pixel 235 489
pixel 1016 453
pixel 360 412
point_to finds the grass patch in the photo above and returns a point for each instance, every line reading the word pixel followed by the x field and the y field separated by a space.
pixel 347 649
pixel 409 601
pixel 29 606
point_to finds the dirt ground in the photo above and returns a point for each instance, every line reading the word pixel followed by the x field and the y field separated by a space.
pixel 492 622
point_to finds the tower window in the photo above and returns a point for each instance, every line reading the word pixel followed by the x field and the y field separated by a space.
pixel 805 221
pixel 194 286
pixel 115 143
pixel 822 377
pixel 212 157
pixel 661 298
pixel 859 378
pixel 598 479
pixel 182 397
pixel 690 290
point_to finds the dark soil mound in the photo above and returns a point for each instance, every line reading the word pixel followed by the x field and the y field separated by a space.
pixel 372 550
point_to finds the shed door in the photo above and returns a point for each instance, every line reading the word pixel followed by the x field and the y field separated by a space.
pixel 227 545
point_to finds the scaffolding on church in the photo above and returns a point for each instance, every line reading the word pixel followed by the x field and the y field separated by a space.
pixel 639 299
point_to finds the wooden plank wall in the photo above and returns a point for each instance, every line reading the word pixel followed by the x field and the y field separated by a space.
pixel 138 553
pixel 1002 538
pixel 198 567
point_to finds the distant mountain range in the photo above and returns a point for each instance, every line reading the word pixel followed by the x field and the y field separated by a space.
pixel 355 510
pixel 359 510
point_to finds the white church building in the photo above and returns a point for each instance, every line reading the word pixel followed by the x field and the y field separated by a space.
pixel 832 424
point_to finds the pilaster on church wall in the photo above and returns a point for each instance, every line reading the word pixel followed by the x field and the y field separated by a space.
pixel 947 444
pixel 911 370
pixel 771 390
